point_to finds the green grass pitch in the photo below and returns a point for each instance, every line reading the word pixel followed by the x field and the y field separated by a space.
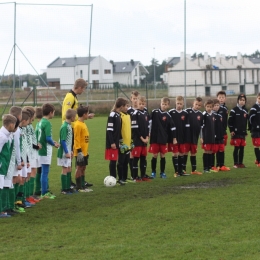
pixel 213 216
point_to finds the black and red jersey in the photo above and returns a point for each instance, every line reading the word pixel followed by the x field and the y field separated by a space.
pixel 195 119
pixel 160 123
pixel 237 121
pixel 130 111
pixel 223 111
pixel 180 119
pixel 208 129
pixel 219 128
pixel 254 121
pixel 113 131
pixel 140 126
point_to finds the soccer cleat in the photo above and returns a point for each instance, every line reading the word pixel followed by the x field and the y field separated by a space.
pixel 211 170
pixel 20 204
pixel 138 179
pixel 124 181
pixel 241 165
pixel 4 215
pixel 119 182
pixel 65 192
pixel 256 162
pixel 196 173
pixel 215 169
pixel 87 184
pixel 224 168
pixel 11 212
pixel 47 196
pixel 19 209
pixel 88 190
pixel 206 171
pixel 258 165
pixel 162 175
pixel 184 174
pixel 176 174
pixel 28 204
pixel 30 200
pixel 36 197
pixel 153 175
pixel 72 185
pixel 236 166
pixel 146 178
pixel 130 180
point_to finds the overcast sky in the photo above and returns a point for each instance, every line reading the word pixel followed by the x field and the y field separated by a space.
pixel 124 30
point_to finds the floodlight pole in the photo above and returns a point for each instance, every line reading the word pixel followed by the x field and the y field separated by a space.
pixel 185 53
pixel 89 53
pixel 14 53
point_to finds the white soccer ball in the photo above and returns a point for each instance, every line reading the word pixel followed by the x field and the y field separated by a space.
pixel 110 181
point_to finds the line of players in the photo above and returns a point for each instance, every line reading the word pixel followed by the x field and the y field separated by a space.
pixel 177 131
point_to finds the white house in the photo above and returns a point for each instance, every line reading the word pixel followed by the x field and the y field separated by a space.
pixel 63 72
pixel 205 76
pixel 129 72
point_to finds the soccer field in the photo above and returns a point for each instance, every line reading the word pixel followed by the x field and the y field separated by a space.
pixel 213 216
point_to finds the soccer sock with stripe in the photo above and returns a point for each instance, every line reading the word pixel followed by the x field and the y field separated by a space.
pixel 185 158
pixel 31 183
pixel 175 163
pixel 68 180
pixel 241 154
pixel 135 167
pixel 257 154
pixel 131 161
pixel 235 155
pixel 11 198
pixel 180 164
pixel 153 164
pixel 193 163
pixel 142 166
pixel 63 178
pixel 162 164
pixel 112 168
pixel 38 181
pixel 5 199
pixel 205 162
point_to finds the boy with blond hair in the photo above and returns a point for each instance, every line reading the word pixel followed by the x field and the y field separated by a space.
pixel 195 119
pixel 161 124
pixel 65 153
pixel 180 119
pixel 134 101
pixel 140 131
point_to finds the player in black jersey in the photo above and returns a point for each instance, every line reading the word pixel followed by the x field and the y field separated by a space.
pixel 237 123
pixel 223 111
pixel 160 123
pixel 113 133
pixel 195 119
pixel 130 111
pixel 219 140
pixel 254 127
pixel 208 135
pixel 180 119
pixel 140 134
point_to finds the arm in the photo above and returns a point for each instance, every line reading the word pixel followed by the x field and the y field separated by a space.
pixel 231 122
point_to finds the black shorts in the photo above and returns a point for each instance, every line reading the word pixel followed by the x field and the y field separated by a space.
pixel 83 163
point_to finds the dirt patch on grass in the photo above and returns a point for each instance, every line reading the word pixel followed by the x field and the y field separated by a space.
pixel 207 185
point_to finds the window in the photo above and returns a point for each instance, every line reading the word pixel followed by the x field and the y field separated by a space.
pixel 94 71
pixel 224 88
pixel 107 71
pixel 81 73
pixel 135 71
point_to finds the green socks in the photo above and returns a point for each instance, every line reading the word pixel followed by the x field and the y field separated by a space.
pixel 63 182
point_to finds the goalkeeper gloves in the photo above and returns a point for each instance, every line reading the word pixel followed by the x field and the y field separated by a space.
pixel 80 157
